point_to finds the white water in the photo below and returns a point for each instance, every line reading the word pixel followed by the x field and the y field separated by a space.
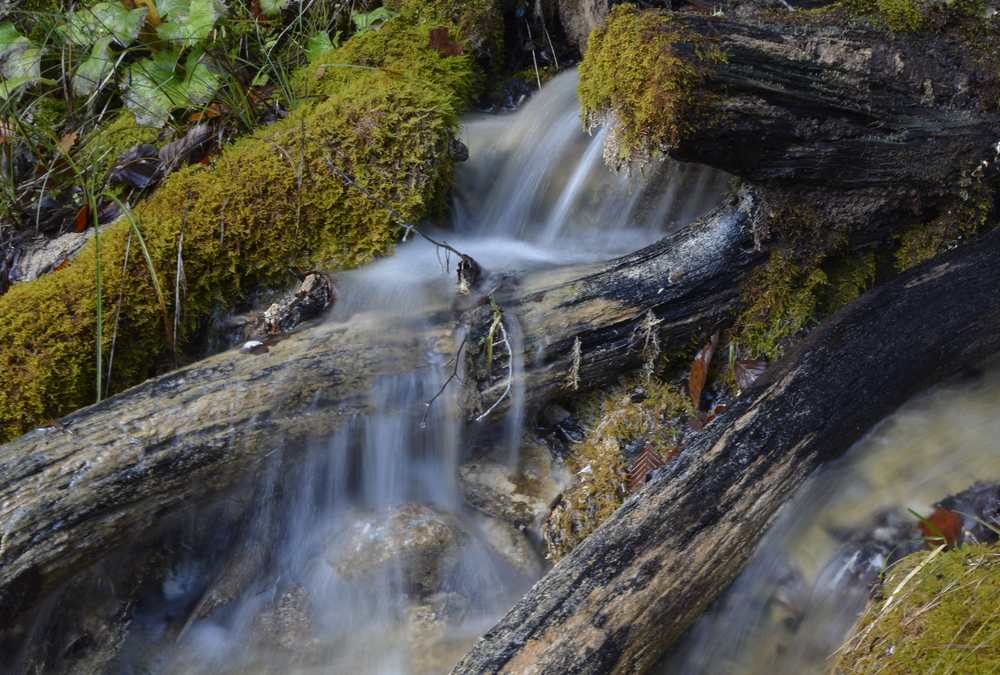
pixel 533 194
pixel 794 604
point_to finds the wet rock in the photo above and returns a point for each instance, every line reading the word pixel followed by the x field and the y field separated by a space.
pixel 286 624
pixel 579 17
pixel 459 150
pixel 563 424
pixel 312 297
pixel 512 545
pixel 413 541
pixel 521 499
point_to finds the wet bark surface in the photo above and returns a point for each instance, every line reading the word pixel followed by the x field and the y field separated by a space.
pixel 619 600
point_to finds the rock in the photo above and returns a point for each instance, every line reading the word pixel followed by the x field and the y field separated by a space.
pixel 426 628
pixel 418 542
pixel 313 296
pixel 286 624
pixel 512 545
pixel 521 500
pixel 459 150
pixel 562 423
pixel 579 17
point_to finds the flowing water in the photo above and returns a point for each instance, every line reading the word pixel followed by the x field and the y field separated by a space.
pixel 794 604
pixel 365 551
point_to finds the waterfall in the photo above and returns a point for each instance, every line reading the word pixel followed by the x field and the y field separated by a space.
pixel 313 551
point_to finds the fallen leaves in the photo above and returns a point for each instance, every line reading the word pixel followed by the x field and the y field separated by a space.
pixel 442 43
pixel 944 526
pixel 699 371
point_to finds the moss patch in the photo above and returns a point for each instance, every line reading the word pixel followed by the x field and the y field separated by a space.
pixel 642 74
pixel 268 204
pixel 479 22
pixel 965 217
pixel 946 618
pixel 614 421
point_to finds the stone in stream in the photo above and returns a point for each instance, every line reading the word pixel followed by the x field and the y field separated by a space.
pixel 286 624
pixel 521 499
pixel 413 541
pixel 512 546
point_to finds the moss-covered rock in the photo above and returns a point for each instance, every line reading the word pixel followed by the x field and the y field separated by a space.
pixel 478 22
pixel 615 420
pixel 635 79
pixel 268 204
pixel 937 612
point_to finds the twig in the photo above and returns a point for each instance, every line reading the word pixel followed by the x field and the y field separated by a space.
pixel 454 374
pixel 541 17
pixel 510 374
pixel 118 313
pixel 178 281
pixel 534 57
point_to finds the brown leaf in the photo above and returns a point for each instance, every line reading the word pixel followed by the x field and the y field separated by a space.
pixel 82 220
pixel 442 43
pixel 647 462
pixel 747 372
pixel 943 523
pixel 699 371
pixel 67 142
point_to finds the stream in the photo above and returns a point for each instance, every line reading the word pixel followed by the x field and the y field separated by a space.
pixel 365 558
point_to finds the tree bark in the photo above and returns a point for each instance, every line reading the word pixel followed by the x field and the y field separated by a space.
pixel 73 492
pixel 618 601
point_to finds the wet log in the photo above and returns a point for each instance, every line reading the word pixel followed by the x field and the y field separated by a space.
pixel 619 600
pixel 95 480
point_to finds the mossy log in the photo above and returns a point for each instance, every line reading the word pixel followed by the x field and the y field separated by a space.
pixel 72 492
pixel 835 115
pixel 622 596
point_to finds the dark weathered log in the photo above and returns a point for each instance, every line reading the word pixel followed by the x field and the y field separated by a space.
pixel 633 587
pixel 73 492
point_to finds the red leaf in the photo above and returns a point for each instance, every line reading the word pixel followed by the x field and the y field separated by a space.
pixel 942 523
pixel 442 43
pixel 699 371
pixel 82 220
pixel 747 372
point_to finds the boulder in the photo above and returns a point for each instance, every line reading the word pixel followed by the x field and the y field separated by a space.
pixel 286 624
pixel 512 545
pixel 413 540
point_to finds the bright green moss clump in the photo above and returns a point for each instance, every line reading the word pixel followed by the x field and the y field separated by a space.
pixel 897 15
pixel 945 619
pixel 267 205
pixel 614 420
pixel 642 74
pixel 479 22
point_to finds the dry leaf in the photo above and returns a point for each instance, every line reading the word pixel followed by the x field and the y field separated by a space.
pixel 699 371
pixel 747 372
pixel 942 523
pixel 67 142
pixel 442 43
pixel 647 462
pixel 82 220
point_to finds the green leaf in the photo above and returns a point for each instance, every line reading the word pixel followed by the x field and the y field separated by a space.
pixel 159 85
pixel 167 8
pixel 12 85
pixel 367 20
pixel 187 27
pixel 273 7
pixel 92 73
pixel 318 44
pixel 89 25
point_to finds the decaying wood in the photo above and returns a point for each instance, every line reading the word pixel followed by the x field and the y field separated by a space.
pixel 635 585
pixel 72 492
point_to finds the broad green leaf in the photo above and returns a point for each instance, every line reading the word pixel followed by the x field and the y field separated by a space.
pixel 92 73
pixel 367 20
pixel 318 44
pixel 88 25
pixel 167 8
pixel 159 85
pixel 273 7
pixel 12 85
pixel 21 58
pixel 8 37
pixel 188 27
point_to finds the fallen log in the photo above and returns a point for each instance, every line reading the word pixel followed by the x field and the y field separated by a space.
pixel 619 600
pixel 73 492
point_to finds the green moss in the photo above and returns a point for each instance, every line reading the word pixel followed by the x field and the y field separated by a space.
pixel 479 22
pixel 909 16
pixel 848 277
pixel 964 217
pixel 945 618
pixel 269 203
pixel 780 299
pixel 613 421
pixel 642 74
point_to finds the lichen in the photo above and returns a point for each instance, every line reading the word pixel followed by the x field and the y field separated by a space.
pixel 642 74
pixel 942 619
pixel 268 204
pixel 614 420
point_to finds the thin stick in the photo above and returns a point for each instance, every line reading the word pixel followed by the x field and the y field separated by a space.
pixel 510 375
pixel 534 58
pixel 454 374
pixel 118 313
pixel 541 17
